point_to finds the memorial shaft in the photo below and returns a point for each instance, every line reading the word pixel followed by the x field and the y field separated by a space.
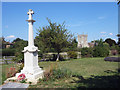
pixel 30 38
pixel 30 23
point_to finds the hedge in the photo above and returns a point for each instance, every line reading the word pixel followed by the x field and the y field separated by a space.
pixel 8 52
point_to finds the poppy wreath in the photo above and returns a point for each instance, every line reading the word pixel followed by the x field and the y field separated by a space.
pixel 21 77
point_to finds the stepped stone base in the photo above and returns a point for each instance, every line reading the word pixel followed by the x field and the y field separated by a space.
pixel 32 77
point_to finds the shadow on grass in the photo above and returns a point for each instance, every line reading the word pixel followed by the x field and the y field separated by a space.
pixel 111 81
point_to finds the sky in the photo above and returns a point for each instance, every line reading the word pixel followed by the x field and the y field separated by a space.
pixel 97 19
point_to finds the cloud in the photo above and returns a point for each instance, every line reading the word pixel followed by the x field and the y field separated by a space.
pixel 102 32
pixel 111 34
pixel 101 17
pixel 9 37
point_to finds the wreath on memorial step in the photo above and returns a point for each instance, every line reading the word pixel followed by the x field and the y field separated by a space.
pixel 21 77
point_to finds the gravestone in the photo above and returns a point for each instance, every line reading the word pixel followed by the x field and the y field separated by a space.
pixel 31 69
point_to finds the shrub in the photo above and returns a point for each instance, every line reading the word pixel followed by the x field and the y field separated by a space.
pixel 61 73
pixel 20 66
pixel 10 72
pixel 72 54
pixel 54 73
pixel 8 52
pixel 87 52
pixel 19 56
pixel 118 49
pixel 18 60
pixel 100 52
pixel 57 74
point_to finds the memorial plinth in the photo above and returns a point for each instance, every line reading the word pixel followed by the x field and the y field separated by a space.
pixel 31 69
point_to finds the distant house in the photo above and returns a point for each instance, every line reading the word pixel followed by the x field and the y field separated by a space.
pixel 114 52
pixel 7 45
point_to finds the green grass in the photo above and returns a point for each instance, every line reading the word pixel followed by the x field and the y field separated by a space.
pixel 3 72
pixel 85 66
pixel 89 73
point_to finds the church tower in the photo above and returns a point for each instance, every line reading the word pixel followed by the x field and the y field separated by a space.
pixel 82 41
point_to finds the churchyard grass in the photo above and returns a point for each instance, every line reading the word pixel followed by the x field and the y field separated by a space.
pixel 86 73
pixel 3 70
pixel 84 66
pixel 7 70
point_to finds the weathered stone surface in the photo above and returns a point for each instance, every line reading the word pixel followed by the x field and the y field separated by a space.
pixel 14 85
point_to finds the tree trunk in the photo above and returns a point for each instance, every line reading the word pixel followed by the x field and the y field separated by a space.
pixel 57 57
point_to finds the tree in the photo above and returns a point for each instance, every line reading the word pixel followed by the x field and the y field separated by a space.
pixel 3 42
pixel 73 45
pixel 110 41
pixel 54 36
pixel 0 42
pixel 19 46
pixel 17 39
pixel 100 42
pixel 101 51
pixel 106 45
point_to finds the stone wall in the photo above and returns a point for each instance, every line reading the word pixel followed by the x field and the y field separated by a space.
pixel 64 55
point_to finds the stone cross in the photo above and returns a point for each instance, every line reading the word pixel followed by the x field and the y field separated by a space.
pixel 31 69
pixel 30 14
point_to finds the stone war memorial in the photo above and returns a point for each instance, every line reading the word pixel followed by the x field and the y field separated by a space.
pixel 31 70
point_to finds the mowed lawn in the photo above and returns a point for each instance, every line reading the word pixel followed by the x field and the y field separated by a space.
pixel 90 73
pixel 84 66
